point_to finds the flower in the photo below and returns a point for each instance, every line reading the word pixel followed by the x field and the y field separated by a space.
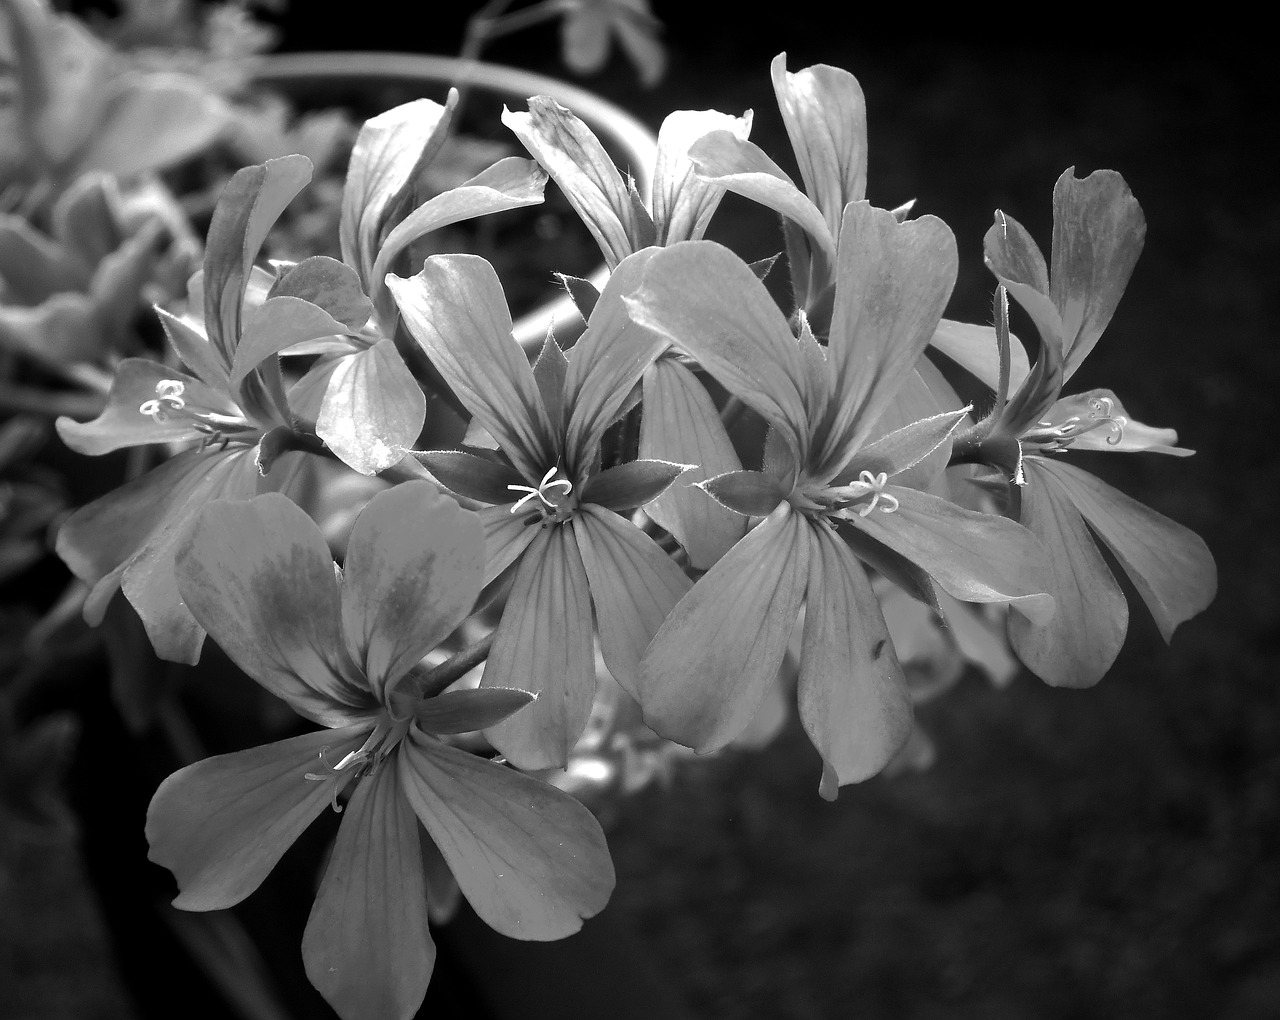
pixel 127 538
pixel 1098 229
pixel 829 497
pixel 589 25
pixel 340 647
pixel 552 511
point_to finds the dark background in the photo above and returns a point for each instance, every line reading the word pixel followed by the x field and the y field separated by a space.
pixel 1112 852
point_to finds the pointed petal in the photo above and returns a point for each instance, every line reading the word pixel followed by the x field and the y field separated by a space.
pixel 471 475
pixel 680 423
pixel 373 409
pixel 975 557
pixel 708 666
pixel 457 312
pixel 411 575
pixel 708 302
pixel 904 448
pixel 367 949
pixel 576 161
pixel 683 203
pixel 549 373
pixel 974 348
pixel 606 362
pixel 511 183
pixel 853 696
pixel 1169 564
pixel 1077 646
pixel 1098 231
pixel 279 323
pixel 389 151
pixel 634 586
pixel 258 577
pixel 826 119
pixel 463 711
pixel 221 824
pixel 193 349
pixel 544 644
pixel 740 166
pixel 122 424
pixel 531 860
pixel 750 493
pixel 633 484
pixel 894 280
pixel 506 537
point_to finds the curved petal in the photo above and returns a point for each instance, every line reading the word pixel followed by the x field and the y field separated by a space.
pixel 221 824
pixel 975 349
pixel 680 423
pixel 411 575
pixel 683 203
pixel 366 948
pixel 258 577
pixel 1077 646
pixel 456 310
pixel 1169 564
pixel 531 860
pixel 1133 437
pixel 278 323
pixel 634 585
pixel 853 695
pixel 708 666
pixel 544 644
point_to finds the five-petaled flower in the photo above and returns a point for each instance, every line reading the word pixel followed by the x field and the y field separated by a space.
pixel 829 497
pixel 341 647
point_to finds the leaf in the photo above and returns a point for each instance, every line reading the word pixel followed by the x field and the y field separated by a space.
pixel 853 696
pixel 825 115
pixel 684 203
pixel 329 284
pixel 1169 564
pixel 411 575
pixel 277 324
pixel 366 948
pixel 751 493
pixel 631 485
pixel 705 300
pixel 543 643
pixel 709 665
pixel 221 824
pixel 457 312
pixel 471 476
pixel 681 424
pixel 1077 646
pixel 634 585
pixel 573 156
pixel 530 860
pixel 463 711
pixel 373 409
pixel 258 576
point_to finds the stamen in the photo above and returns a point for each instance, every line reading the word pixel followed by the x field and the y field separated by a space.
pixel 540 492
pixel 168 400
pixel 1056 438
pixel 867 485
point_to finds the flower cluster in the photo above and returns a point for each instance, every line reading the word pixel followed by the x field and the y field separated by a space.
pixel 705 494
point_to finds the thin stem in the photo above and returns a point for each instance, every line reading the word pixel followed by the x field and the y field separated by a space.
pixel 732 411
pixel 434 680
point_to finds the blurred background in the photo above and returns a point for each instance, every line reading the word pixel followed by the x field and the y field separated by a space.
pixel 1110 852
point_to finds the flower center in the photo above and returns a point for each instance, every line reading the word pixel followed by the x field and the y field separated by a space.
pixel 382 740
pixel 554 499
pixel 863 496
pixel 1054 438
pixel 171 404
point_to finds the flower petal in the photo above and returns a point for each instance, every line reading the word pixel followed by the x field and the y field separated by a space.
pixel 258 577
pixel 634 586
pixel 1134 437
pixel 853 696
pixel 506 537
pixel 708 666
pixel 221 824
pixel 456 310
pixel 332 285
pixel 894 279
pixel 366 948
pixel 576 161
pixel 974 348
pixel 680 423
pixel 708 302
pixel 411 575
pixel 683 203
pixel 1098 230
pixel 373 409
pixel 544 644
pixel 276 324
pixel 1078 645
pixel 973 556
pixel 1169 564
pixel 826 119
pixel 531 860
pixel 633 484
pixel 750 493
pixel 1015 260
pixel 463 711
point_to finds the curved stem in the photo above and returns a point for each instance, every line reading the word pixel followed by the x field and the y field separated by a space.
pixel 434 680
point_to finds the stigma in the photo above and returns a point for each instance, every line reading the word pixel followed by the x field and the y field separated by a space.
pixel 170 404
pixel 853 498
pixel 1055 437
pixel 545 493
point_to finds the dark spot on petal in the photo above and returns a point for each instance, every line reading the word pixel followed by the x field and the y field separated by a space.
pixel 878 650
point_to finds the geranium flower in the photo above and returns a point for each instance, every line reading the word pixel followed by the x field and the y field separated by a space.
pixel 1098 229
pixel 340 647
pixel 552 510
pixel 828 498
pixel 127 538
pixel 590 25
pixel 680 424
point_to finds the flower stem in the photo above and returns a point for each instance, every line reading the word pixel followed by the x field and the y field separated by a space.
pixel 437 678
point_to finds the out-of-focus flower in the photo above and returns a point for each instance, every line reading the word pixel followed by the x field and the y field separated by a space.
pixel 590 26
